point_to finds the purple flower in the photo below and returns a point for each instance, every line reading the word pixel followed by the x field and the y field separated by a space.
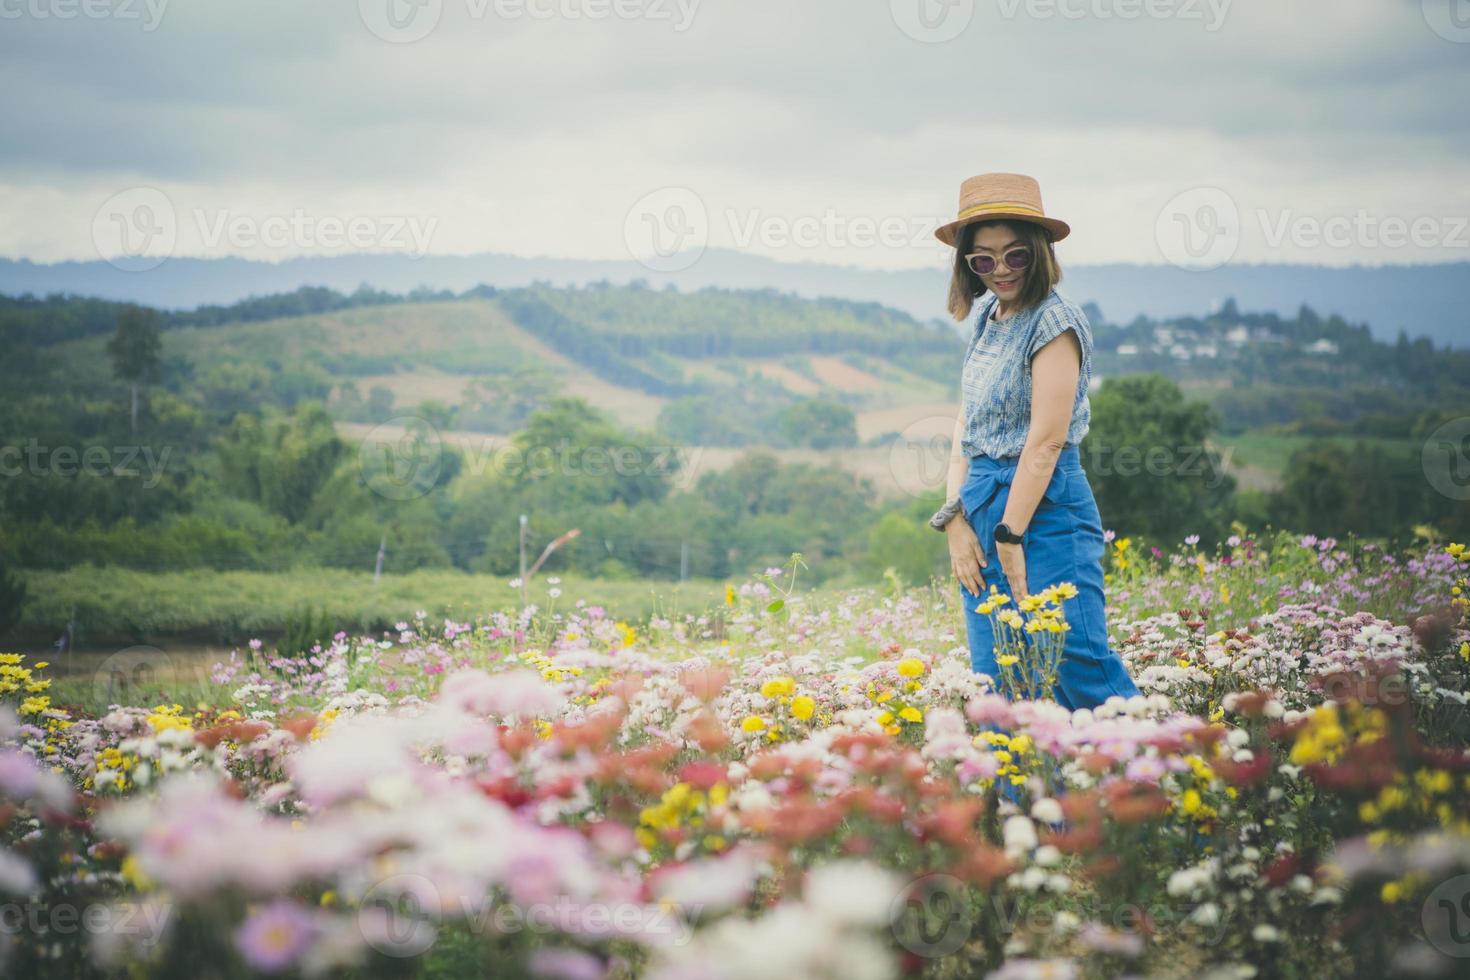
pixel 275 935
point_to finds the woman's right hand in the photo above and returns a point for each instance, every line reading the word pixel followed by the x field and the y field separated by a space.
pixel 966 556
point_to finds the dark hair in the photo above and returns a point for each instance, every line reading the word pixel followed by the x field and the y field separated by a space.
pixel 965 287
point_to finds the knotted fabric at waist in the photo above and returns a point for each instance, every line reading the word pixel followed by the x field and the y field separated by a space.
pixel 988 474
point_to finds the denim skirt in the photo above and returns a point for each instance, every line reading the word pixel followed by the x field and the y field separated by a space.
pixel 1062 543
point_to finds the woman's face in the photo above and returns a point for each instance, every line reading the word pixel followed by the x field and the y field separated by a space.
pixel 995 240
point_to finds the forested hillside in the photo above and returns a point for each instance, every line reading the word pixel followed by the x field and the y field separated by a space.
pixel 698 434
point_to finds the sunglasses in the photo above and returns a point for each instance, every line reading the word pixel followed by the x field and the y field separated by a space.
pixel 1016 260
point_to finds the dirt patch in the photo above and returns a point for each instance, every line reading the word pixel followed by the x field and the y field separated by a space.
pixel 837 373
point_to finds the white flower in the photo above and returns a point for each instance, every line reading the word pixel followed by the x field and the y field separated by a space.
pixel 1327 895
pixel 1047 810
pixel 852 892
pixel 1019 834
pixel 1206 915
pixel 1047 856
pixel 1266 933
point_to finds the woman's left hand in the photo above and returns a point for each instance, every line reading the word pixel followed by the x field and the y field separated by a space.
pixel 1013 564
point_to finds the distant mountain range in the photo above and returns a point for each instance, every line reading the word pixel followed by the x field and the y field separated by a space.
pixel 1423 300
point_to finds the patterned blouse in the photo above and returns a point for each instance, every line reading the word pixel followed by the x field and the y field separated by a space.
pixel 995 384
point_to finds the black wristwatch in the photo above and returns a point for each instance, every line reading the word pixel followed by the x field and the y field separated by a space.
pixel 1004 535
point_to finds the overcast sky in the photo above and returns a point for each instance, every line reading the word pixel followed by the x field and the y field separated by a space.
pixel 1193 131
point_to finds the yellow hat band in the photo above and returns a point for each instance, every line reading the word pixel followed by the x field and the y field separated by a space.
pixel 1001 206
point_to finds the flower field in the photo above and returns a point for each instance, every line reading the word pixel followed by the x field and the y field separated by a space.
pixel 781 787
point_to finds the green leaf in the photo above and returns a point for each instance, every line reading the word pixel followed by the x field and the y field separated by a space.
pixel 776 605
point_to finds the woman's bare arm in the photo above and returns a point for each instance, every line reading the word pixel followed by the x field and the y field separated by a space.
pixel 1054 373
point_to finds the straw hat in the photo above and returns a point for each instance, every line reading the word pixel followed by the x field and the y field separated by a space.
pixel 986 197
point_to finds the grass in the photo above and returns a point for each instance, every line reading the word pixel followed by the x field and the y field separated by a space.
pixel 229 607
pixel 1271 451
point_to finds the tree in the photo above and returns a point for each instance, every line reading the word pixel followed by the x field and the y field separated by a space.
pixel 282 464
pixel 134 350
pixel 1149 464
pixel 818 424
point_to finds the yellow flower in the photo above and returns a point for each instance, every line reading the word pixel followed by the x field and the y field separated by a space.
pixel 910 667
pixel 1392 891
pixel 911 714
pixel 729 595
pixel 753 723
pixel 778 687
pixel 134 875
pixel 1007 660
pixel 802 707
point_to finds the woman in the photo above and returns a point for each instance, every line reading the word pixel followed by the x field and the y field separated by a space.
pixel 1020 514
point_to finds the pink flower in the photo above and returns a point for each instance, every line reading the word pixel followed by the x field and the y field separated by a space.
pixel 275 936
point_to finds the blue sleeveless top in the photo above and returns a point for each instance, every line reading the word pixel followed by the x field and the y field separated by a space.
pixel 995 383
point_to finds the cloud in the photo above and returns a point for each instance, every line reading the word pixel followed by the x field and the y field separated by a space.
pixel 536 134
